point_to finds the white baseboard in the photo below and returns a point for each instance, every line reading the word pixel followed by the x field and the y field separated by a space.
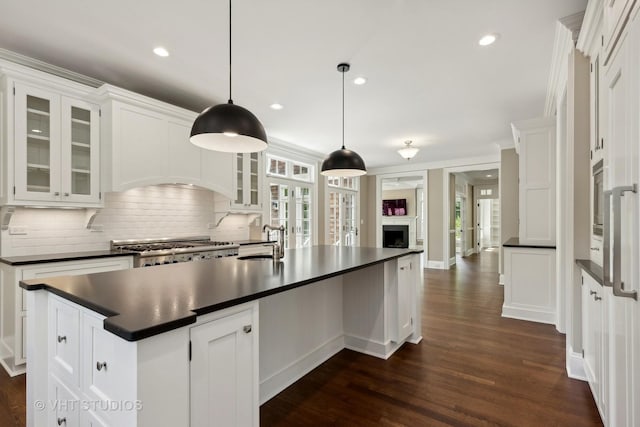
pixel 575 365
pixel 501 280
pixel 531 314
pixel 11 368
pixel 470 252
pixel 435 264
pixel 291 373
pixel 452 261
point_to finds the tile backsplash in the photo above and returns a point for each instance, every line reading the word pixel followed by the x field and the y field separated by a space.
pixel 146 212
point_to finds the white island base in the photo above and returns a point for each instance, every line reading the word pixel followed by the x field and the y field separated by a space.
pixel 218 370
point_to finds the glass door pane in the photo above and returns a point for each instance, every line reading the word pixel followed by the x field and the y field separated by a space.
pixel 253 170
pixel 279 209
pixel 302 207
pixel 335 222
pixel 349 219
pixel 38 144
pixel 80 151
pixel 239 179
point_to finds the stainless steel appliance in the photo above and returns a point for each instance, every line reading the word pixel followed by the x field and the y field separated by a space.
pixel 149 252
pixel 598 205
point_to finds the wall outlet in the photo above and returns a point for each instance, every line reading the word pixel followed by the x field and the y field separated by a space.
pixel 18 230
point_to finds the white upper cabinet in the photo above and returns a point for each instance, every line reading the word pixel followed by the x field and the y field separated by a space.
pixel 248 173
pixel 616 14
pixel 55 147
pixel 146 142
pixel 536 146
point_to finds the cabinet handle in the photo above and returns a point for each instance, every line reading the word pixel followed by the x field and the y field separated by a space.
pixel 247 329
pixel 66 194
pixel 57 193
pixel 62 338
pixel 592 292
pixel 62 421
pixel 597 298
pixel 402 268
pixel 618 286
pixel 101 365
pixel 606 243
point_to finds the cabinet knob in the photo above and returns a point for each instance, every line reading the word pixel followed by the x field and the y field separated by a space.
pixel 597 298
pixel 62 338
pixel 66 194
pixel 57 193
pixel 592 292
pixel 402 268
pixel 62 421
pixel 247 329
pixel 101 365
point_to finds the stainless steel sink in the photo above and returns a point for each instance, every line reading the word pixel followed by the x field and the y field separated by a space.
pixel 256 257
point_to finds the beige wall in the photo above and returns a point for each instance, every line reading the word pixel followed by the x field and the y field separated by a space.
pixel 508 197
pixel 408 193
pixel 434 208
pixel 368 210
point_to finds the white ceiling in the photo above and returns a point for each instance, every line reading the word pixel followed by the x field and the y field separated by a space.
pixel 480 176
pixel 428 80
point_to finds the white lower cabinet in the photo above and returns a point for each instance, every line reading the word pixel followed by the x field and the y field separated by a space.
pixel 64 405
pixel 223 373
pixel 593 321
pixel 402 301
pixel 13 309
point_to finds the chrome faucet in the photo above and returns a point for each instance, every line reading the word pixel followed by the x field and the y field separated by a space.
pixel 278 247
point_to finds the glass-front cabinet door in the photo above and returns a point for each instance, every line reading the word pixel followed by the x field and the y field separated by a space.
pixel 56 145
pixel 37 144
pixel 247 181
pixel 80 161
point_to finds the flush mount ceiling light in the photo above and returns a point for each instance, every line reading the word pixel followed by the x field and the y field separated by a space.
pixel 488 39
pixel 343 162
pixel 360 80
pixel 228 127
pixel 408 152
pixel 160 51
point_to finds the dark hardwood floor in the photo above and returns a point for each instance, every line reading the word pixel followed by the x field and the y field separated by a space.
pixel 472 368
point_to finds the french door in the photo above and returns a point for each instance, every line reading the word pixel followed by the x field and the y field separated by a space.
pixel 343 225
pixel 290 205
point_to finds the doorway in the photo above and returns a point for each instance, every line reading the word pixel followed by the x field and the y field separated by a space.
pixel 488 224
pixel 460 225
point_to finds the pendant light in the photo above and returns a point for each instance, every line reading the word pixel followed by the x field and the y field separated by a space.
pixel 408 152
pixel 343 162
pixel 228 127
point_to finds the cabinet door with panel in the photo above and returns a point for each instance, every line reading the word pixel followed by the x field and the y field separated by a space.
pixel 248 171
pixel 404 299
pixel 592 321
pixel 616 13
pixel 223 372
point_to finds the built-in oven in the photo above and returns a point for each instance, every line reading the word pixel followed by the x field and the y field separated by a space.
pixel 598 202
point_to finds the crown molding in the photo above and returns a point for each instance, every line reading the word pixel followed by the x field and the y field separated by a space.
pixel 467 162
pixel 279 147
pixel 588 41
pixel 38 65
pixel 567 32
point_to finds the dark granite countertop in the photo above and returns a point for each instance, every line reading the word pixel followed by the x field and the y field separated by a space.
pixel 254 242
pixel 68 256
pixel 592 269
pixel 143 302
pixel 514 242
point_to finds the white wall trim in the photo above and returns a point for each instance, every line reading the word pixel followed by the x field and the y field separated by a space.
pixel 575 365
pixel 567 30
pixel 439 265
pixel 452 261
pixel 470 251
pixel 529 313
pixel 501 280
pixel 291 373
pixel 467 163
pixel 589 38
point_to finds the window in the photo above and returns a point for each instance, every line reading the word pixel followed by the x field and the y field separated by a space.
pixel 342 211
pixel 486 192
pixel 290 200
pixel 341 182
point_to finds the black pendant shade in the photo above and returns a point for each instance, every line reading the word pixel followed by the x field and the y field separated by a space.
pixel 343 162
pixel 229 128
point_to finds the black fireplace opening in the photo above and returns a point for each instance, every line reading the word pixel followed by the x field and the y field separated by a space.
pixel 395 236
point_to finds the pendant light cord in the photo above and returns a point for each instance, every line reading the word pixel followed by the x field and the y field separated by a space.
pixel 230 100
pixel 343 71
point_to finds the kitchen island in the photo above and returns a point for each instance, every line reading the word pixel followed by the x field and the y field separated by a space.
pixel 206 343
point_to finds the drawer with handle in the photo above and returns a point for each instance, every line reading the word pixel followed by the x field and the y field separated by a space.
pixel 64 340
pixel 66 411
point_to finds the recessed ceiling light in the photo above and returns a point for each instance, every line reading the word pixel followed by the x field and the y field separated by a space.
pixel 488 39
pixel 160 51
pixel 489 176
pixel 276 106
pixel 359 80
